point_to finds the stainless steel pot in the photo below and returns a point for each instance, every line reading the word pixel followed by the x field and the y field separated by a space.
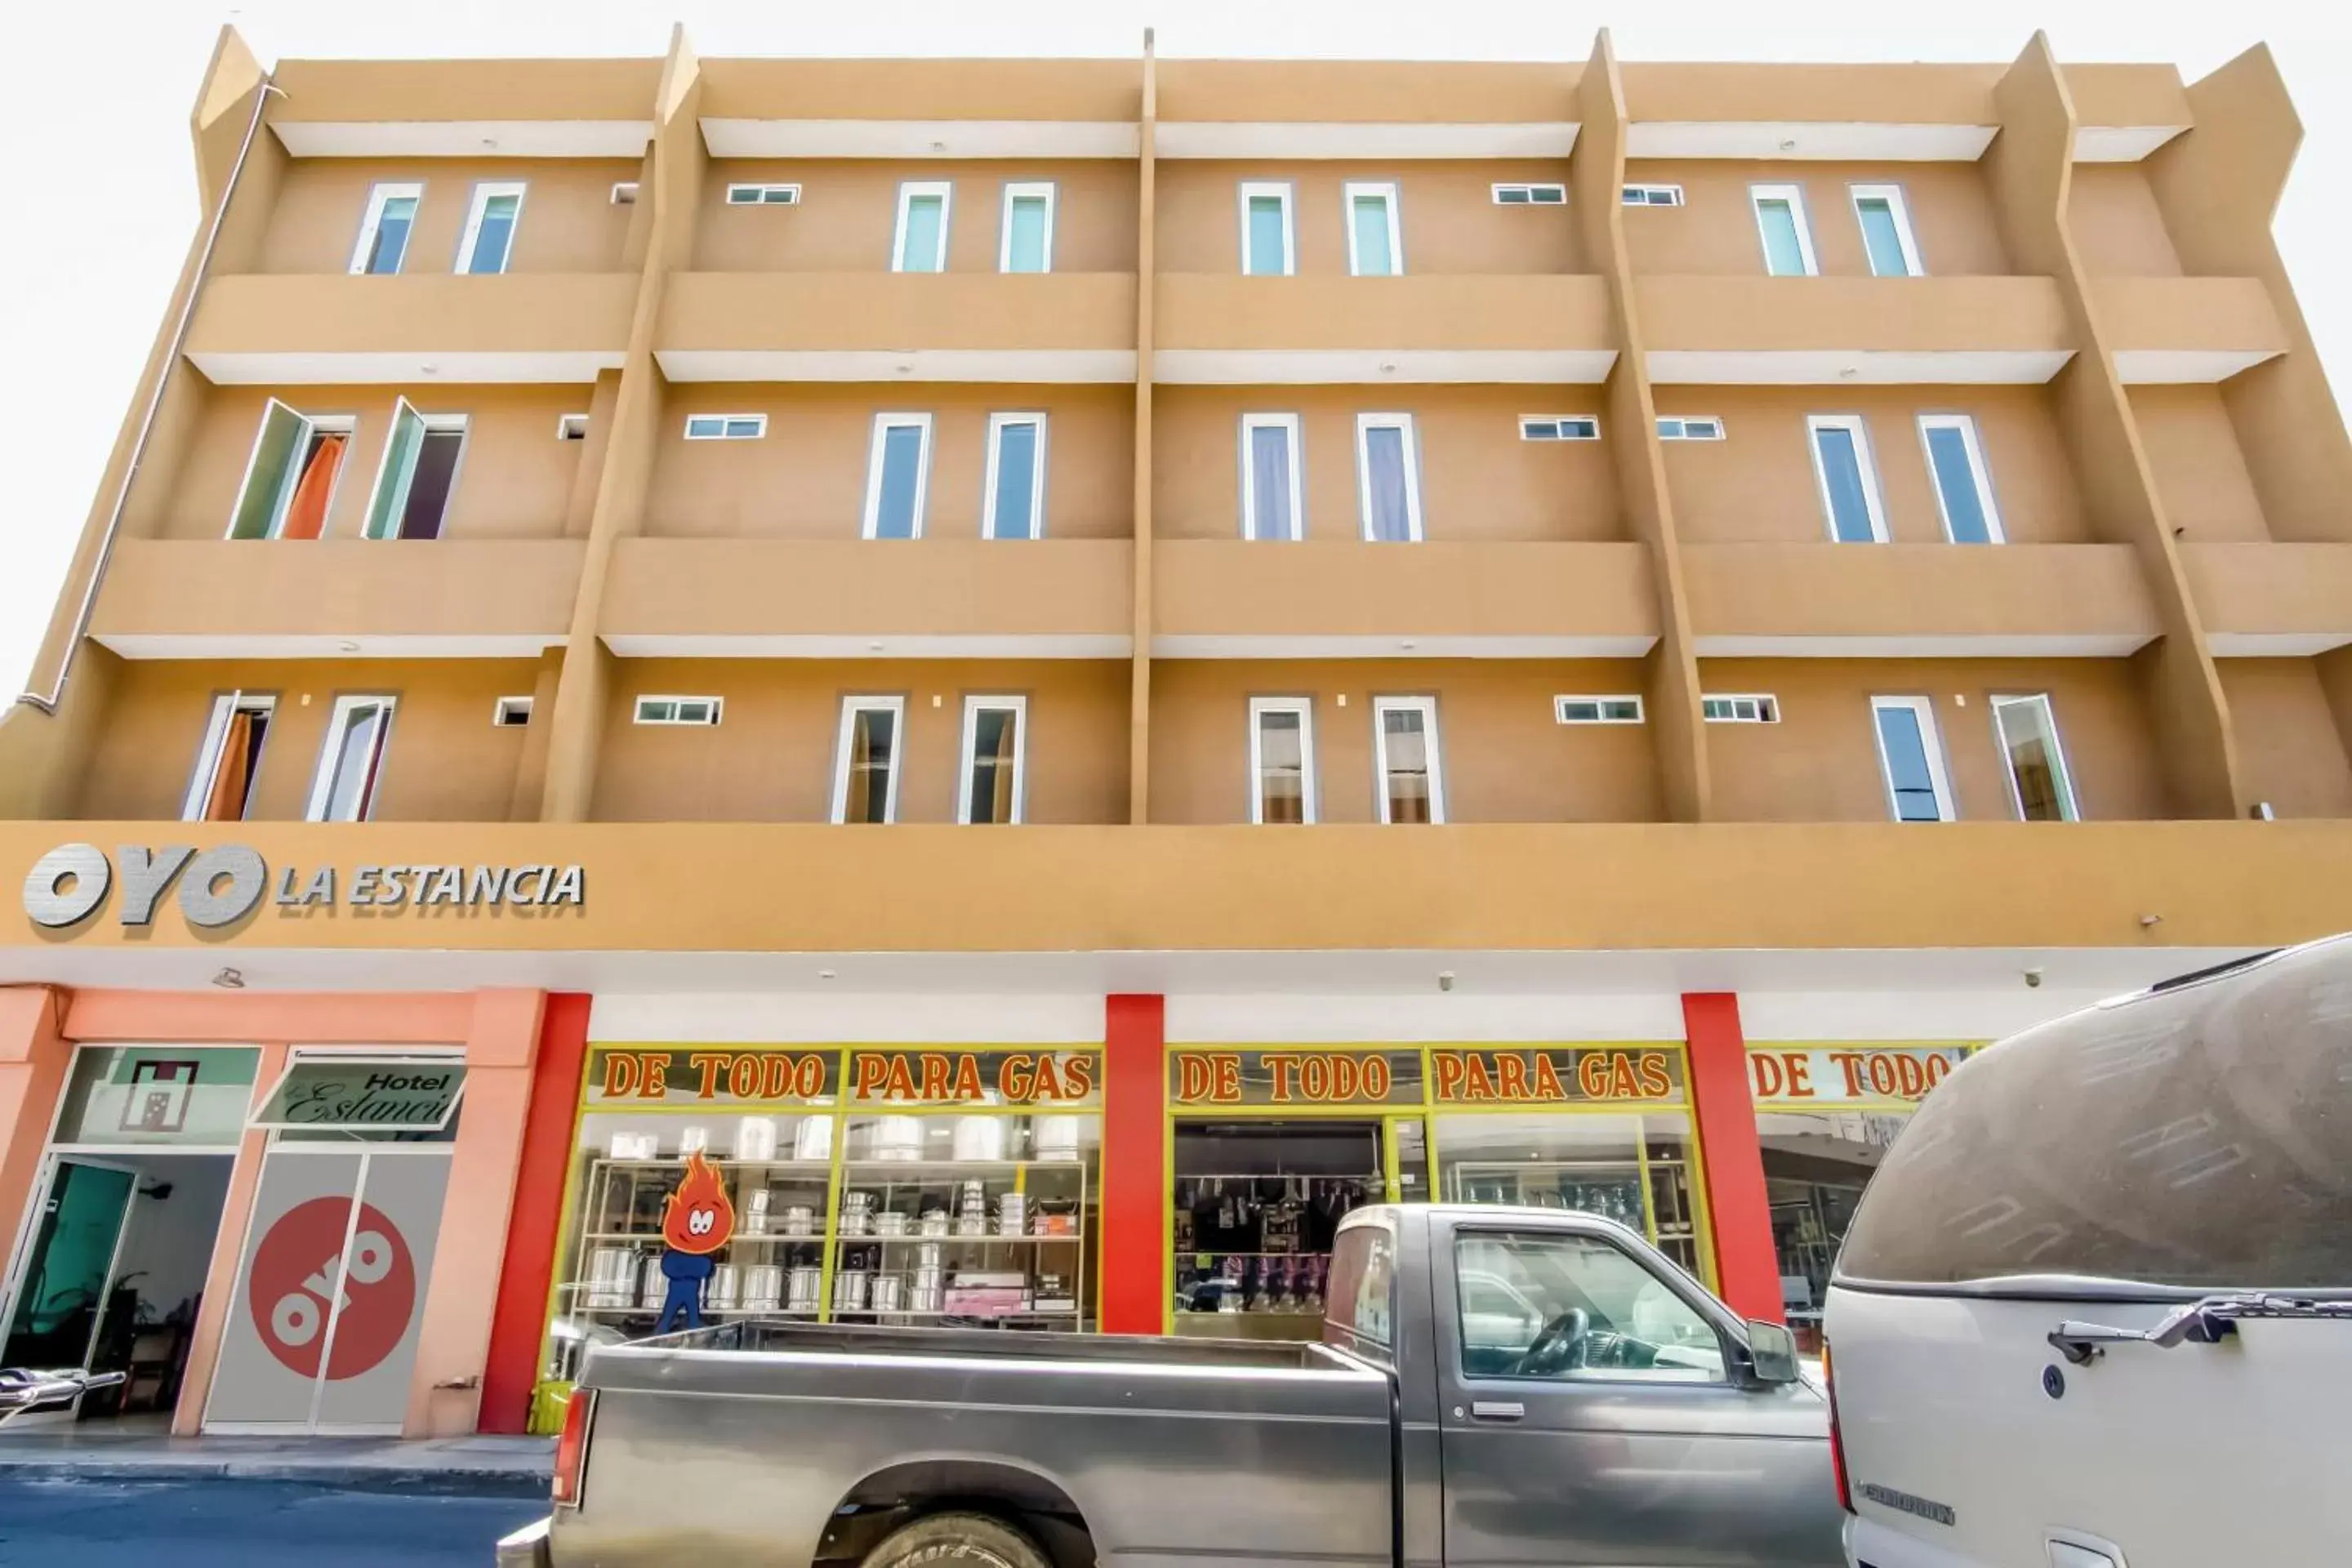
pixel 888 1293
pixel 850 1287
pixel 803 1288
pixel 764 1288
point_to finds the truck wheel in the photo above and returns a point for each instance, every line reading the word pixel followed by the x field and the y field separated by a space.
pixel 972 1539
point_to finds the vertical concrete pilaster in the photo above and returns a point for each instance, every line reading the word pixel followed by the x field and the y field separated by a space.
pixel 1147 277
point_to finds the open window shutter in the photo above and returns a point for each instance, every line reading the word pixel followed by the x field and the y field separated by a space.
pixel 399 471
pixel 1008 744
pixel 282 433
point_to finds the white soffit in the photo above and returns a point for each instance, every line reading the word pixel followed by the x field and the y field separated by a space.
pixel 257 644
pixel 1839 140
pixel 2120 144
pixel 2148 367
pixel 696 644
pixel 921 138
pixel 465 137
pixel 1831 367
pixel 1392 646
pixel 1344 139
pixel 2275 645
pixel 2116 644
pixel 461 369
pixel 1031 365
pixel 1312 367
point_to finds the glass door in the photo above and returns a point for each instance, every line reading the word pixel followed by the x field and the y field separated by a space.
pixel 68 1270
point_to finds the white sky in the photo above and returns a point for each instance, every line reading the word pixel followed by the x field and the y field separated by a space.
pixel 105 202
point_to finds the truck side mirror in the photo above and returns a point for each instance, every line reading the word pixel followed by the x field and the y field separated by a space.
pixel 1771 1352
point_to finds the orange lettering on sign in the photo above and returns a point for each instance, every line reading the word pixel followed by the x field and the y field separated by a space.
pixel 935 1076
pixel 1377 1078
pixel 873 1072
pixel 1482 1082
pixel 709 1064
pixel 1765 1076
pixel 967 1078
pixel 777 1075
pixel 1077 1077
pixel 1282 1072
pixel 1511 1076
pixel 1655 1083
pixel 1229 1080
pixel 1192 1079
pixel 1314 1078
pixel 1016 1076
pixel 1448 1064
pixel 1592 1075
pixel 620 1075
pixel 1547 1085
pixel 653 1075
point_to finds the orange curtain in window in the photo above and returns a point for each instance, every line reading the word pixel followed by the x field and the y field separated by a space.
pixel 306 514
pixel 225 802
pixel 1008 740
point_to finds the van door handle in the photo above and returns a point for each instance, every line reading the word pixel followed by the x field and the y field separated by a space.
pixel 1496 1410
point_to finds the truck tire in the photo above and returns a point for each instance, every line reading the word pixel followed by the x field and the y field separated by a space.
pixel 957 1540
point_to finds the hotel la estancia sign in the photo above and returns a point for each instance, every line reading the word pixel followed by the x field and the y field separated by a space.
pixel 223 885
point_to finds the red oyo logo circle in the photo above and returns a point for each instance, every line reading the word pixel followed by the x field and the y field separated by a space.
pixel 291 1292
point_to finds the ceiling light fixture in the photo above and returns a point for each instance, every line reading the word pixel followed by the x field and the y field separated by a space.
pixel 347 646
pixel 230 980
pixel 1788 144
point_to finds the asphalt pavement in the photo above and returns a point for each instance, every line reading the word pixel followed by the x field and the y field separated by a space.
pixel 245 1523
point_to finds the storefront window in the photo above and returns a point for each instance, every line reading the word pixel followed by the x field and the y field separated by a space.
pixel 122 1095
pixel 1825 1116
pixel 1257 1203
pixel 1633 1169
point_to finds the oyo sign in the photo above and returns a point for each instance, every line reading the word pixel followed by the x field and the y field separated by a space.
pixel 223 885
pixel 304 1278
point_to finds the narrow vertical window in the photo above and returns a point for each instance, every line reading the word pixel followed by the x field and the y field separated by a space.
pixel 1963 485
pixel 2039 785
pixel 865 776
pixel 1282 760
pixel 897 473
pixel 1887 236
pixel 1015 507
pixel 1375 244
pixel 1388 476
pixel 291 475
pixel 921 243
pixel 1781 223
pixel 352 760
pixel 1271 502
pixel 1404 745
pixel 1849 480
pixel 1027 243
pixel 418 472
pixel 1267 249
pixel 992 739
pixel 487 242
pixel 221 787
pixel 1912 759
pixel 386 226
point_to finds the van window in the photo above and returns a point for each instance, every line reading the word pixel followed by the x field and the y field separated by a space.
pixel 1362 1288
pixel 2197 1138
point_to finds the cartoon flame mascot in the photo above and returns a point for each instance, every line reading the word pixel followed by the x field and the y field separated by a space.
pixel 697 1221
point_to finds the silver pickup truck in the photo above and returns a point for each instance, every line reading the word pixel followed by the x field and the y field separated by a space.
pixel 1495 1386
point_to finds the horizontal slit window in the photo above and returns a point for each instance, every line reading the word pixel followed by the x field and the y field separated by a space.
pixel 1532 196
pixel 1597 710
pixel 726 426
pixel 1690 427
pixel 677 710
pixel 756 195
pixel 1758 709
pixel 1558 427
pixel 1653 195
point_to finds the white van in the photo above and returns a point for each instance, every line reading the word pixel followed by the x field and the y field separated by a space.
pixel 2095 1310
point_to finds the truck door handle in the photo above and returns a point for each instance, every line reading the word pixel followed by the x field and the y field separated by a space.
pixel 1496 1410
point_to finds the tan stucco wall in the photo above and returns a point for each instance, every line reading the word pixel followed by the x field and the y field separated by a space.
pixel 569 222
pixel 1447 217
pixel 2201 471
pixel 2287 741
pixel 1715 231
pixel 2118 227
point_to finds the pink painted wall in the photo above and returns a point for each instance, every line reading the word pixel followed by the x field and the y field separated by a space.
pixel 33 1057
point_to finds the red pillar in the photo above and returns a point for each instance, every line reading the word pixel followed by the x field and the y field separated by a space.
pixel 1135 1165
pixel 519 1326
pixel 1747 1271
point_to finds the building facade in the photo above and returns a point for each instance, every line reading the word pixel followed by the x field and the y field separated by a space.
pixel 1543 633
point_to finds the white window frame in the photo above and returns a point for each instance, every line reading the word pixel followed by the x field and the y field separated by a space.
pixel 506 706
pixel 1931 741
pixel 1365 425
pixel 343 424
pixel 1530 200
pixel 1765 708
pixel 379 192
pixel 2057 750
pixel 1288 425
pixel 434 423
pixel 1682 423
pixel 1280 190
pixel 763 190
pixel 1392 202
pixel 908 190
pixel 1427 708
pixel 1873 502
pixel 1601 705
pixel 988 517
pixel 851 707
pixel 322 779
pixel 1587 427
pixel 208 750
pixel 571 426
pixel 1795 197
pixel 1304 707
pixel 1640 193
pixel 875 446
pixel 973 706
pixel 637 711
pixel 723 433
pixel 477 209
pixel 1017 189
pixel 1900 210
pixel 1967 426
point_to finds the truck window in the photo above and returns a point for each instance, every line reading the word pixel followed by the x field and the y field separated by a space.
pixel 1361 1288
pixel 1575 1308
pixel 2194 1139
